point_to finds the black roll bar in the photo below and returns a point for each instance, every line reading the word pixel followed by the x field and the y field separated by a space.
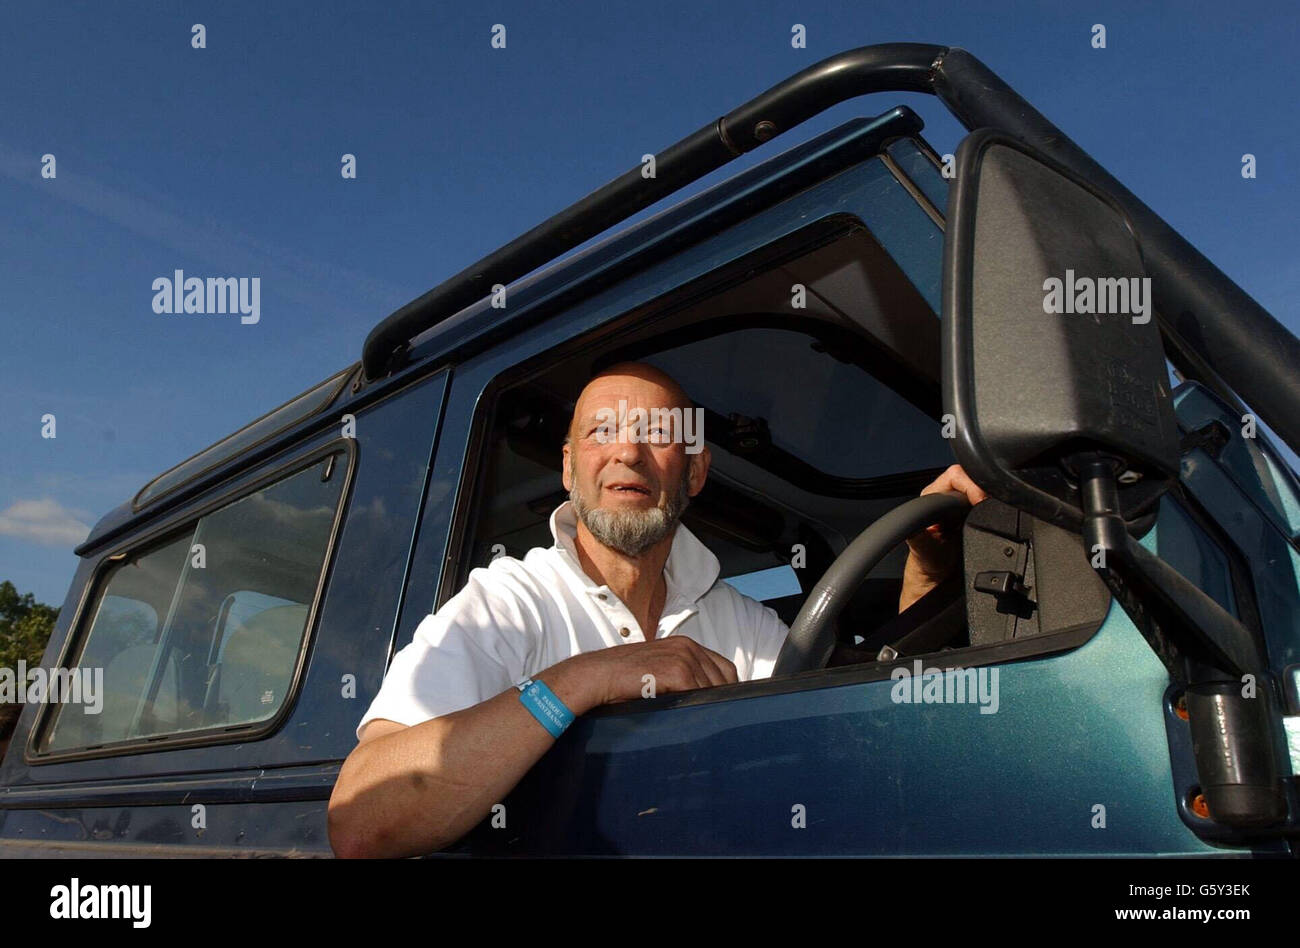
pixel 887 68
pixel 1213 324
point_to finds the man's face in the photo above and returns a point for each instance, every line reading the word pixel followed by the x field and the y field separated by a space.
pixel 626 464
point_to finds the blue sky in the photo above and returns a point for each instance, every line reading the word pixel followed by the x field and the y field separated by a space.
pixel 225 162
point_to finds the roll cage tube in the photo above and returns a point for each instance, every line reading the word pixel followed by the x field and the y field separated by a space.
pixel 1217 332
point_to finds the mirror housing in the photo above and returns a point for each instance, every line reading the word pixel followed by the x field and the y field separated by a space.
pixel 1054 373
pixel 1050 348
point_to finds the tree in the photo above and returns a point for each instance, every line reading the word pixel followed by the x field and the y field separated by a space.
pixel 25 627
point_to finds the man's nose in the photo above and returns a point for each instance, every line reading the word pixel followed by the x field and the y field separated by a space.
pixel 629 451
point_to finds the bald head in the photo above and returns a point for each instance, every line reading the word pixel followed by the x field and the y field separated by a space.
pixel 648 386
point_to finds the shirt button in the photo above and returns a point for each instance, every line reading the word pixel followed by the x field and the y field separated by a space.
pixel 602 597
pixel 625 632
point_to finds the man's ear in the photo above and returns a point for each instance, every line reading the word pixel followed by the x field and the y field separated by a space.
pixel 564 468
pixel 699 469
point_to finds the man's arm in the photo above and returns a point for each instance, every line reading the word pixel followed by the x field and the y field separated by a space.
pixel 406 791
pixel 932 553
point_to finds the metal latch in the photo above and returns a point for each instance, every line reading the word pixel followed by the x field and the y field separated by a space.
pixel 1001 582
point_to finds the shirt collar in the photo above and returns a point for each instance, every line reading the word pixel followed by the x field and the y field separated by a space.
pixel 691 569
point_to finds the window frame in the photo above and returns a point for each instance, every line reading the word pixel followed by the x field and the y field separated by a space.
pixel 463 521
pixel 159 534
pixel 610 336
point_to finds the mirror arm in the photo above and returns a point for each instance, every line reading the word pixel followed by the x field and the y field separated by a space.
pixel 1207 652
pixel 1182 624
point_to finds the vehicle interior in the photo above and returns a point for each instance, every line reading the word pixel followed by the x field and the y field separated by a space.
pixel 819 419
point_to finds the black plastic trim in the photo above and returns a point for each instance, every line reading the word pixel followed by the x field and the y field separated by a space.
pixel 312 782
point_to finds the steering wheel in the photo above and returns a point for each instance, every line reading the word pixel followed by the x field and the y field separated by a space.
pixel 812 636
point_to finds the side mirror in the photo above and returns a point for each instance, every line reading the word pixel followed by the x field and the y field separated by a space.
pixel 1055 375
pixel 1050 348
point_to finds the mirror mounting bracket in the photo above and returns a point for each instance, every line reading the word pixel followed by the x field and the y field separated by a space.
pixel 1183 625
pixel 1206 651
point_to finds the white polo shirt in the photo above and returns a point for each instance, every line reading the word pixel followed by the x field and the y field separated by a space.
pixel 516 618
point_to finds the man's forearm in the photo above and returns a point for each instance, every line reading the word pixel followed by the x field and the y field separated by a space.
pixel 419 789
pixel 916 583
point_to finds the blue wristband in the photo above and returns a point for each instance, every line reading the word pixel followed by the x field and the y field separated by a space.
pixel 543 705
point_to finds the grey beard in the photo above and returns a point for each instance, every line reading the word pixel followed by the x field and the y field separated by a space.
pixel 631 532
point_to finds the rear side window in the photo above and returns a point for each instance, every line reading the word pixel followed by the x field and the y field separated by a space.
pixel 766 584
pixel 1185 546
pixel 202 631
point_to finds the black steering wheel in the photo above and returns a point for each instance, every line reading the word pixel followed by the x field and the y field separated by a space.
pixel 812 636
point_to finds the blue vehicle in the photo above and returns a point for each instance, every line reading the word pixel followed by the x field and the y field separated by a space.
pixel 1115 671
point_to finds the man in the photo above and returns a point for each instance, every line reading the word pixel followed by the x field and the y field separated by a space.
pixel 493 677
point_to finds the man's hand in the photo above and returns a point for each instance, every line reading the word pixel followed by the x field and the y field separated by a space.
pixel 677 663
pixel 932 553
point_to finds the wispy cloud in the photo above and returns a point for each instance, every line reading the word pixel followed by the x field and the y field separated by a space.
pixel 45 521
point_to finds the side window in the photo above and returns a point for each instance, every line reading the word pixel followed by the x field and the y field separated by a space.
pixel 202 631
pixel 1181 543
pixel 1248 459
pixel 819 418
pixel 776 587
pixel 127 623
pixel 766 584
